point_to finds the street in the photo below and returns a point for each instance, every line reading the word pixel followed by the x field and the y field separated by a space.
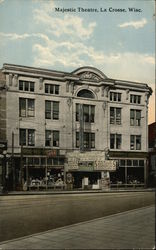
pixel 133 229
pixel 28 214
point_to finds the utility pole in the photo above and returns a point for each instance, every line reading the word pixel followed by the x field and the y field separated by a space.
pixel 21 167
pixel 12 159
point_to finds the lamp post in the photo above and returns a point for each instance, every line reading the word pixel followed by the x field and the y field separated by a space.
pixel 5 157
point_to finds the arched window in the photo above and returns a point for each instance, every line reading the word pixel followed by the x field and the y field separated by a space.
pixel 85 93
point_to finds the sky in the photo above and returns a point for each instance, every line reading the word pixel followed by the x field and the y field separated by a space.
pixel 119 43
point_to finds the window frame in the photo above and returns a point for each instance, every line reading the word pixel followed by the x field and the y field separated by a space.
pixel 26 86
pixel 52 142
pixel 53 112
pixel 52 89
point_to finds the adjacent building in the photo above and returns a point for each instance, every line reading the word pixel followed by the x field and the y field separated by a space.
pixel 152 154
pixel 49 118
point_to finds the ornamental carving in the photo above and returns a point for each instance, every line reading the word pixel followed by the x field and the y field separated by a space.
pixel 89 76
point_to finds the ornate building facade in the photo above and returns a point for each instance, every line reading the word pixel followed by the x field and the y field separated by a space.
pixel 48 115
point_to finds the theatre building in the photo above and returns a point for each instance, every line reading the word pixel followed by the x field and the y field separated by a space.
pixel 79 129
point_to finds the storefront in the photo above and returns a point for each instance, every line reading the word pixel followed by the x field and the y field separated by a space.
pixel 88 170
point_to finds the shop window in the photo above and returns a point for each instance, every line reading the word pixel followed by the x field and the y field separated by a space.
pixel 26 86
pixel 135 163
pixel 135 117
pixel 26 107
pixel 43 161
pixel 88 140
pixel 55 161
pixel 135 142
pixel 49 161
pixel 115 141
pixel 115 115
pixel 135 99
pixel 51 110
pixel 52 89
pixel 36 161
pixel 115 97
pixel 129 162
pixel 30 161
pixel 122 163
pixel 27 137
pixel 85 93
pixel 52 138
pixel 141 163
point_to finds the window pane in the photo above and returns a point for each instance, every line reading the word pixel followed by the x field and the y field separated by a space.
pixel 23 137
pixel 92 140
pixel 20 85
pixel 86 113
pixel 119 97
pixel 129 162
pixel 55 110
pixel 112 116
pixel 26 86
pixel 86 140
pixel 36 161
pixel 118 141
pixel 92 113
pixel 138 114
pixel 132 113
pixel 47 109
pixel 138 142
pixel 141 163
pixel 139 99
pixel 112 141
pixel 32 86
pixel 48 138
pixel 132 142
pixel 56 138
pixel 46 88
pixel 77 112
pixel 22 107
pixel 118 115
pixel 30 107
pixel 30 161
pixel 31 137
pixel 122 162
pixel 111 94
pixel 56 89
pixel 43 161
pixel 135 163
pixel 51 88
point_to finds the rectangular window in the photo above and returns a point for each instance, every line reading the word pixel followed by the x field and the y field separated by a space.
pixel 31 137
pixel 135 99
pixel 135 142
pixel 52 89
pixel 115 115
pixel 115 141
pixel 52 138
pixel 51 110
pixel 26 107
pixel 135 117
pixel 26 86
pixel 88 140
pixel 27 137
pixel 115 97
pixel 88 113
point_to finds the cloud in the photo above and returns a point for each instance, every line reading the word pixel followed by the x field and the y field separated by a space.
pixel 134 24
pixel 15 36
pixel 66 25
pixel 1 1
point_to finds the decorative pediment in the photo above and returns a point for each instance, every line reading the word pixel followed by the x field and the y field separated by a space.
pixel 90 73
pixel 89 76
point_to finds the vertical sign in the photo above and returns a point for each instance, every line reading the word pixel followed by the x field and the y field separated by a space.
pixel 81 133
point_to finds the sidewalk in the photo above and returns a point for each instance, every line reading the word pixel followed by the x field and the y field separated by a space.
pixel 133 229
pixel 38 192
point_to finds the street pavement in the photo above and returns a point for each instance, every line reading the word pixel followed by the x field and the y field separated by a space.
pixel 133 229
